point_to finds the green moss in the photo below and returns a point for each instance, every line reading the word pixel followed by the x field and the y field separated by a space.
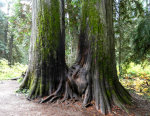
pixel 41 87
pixel 108 93
pixel 47 42
pixel 92 18
pixel 48 22
pixel 128 101
pixel 23 91
pixel 30 80
pixel 37 91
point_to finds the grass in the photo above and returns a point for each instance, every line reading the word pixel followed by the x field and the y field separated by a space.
pixel 7 72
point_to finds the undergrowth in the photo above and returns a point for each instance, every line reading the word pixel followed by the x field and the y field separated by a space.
pixel 8 72
pixel 137 80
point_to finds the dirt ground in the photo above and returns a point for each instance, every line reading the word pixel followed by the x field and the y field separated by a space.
pixel 14 104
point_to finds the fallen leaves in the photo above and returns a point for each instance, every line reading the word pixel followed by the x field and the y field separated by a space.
pixel 139 84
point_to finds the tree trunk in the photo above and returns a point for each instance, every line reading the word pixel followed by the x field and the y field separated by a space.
pixel 46 71
pixel 120 55
pixel 94 73
pixel 10 59
pixel 6 32
pixel 5 39
pixel 120 40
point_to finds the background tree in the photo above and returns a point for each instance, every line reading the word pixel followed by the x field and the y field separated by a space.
pixel 2 40
pixel 73 16
pixel 20 30
pixel 141 41
pixel 127 14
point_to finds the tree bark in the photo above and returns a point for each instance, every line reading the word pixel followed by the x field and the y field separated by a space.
pixel 94 73
pixel 5 38
pixel 6 31
pixel 46 71
pixel 120 41
pixel 10 59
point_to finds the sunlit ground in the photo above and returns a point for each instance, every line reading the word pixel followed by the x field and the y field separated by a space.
pixel 137 80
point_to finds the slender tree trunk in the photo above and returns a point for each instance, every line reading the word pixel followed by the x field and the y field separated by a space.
pixel 10 59
pixel 120 41
pixel 120 53
pixel 6 33
pixel 5 39
pixel 148 5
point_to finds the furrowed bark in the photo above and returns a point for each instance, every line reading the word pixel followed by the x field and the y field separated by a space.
pixel 93 75
pixel 96 41
pixel 46 71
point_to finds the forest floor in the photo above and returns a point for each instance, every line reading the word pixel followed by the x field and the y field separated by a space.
pixel 14 104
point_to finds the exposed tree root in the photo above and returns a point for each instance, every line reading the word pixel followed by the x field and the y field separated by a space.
pixel 47 99
pixel 55 95
pixel 76 86
pixel 25 84
pixel 79 87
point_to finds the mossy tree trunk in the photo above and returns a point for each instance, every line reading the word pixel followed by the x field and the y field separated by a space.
pixel 46 70
pixel 94 73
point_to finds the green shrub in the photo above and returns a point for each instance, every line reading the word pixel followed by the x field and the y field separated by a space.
pixel 137 79
pixel 8 72
pixel 134 70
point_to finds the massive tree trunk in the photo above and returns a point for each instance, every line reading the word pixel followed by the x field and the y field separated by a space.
pixel 94 73
pixel 46 70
